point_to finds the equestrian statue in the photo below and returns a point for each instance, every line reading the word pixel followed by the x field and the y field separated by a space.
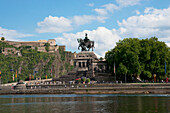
pixel 85 44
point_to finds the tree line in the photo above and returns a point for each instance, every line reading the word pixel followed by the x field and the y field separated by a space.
pixel 139 58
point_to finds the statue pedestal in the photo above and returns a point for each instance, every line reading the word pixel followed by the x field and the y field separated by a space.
pixel 85 63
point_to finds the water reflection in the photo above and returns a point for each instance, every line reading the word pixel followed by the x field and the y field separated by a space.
pixel 83 103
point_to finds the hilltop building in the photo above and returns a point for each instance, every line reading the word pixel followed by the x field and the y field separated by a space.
pixel 40 45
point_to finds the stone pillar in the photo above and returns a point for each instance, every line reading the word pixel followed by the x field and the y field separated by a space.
pixel 104 68
pixel 85 64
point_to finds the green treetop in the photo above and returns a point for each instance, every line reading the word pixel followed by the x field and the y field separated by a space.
pixel 140 58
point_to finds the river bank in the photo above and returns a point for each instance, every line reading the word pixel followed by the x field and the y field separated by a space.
pixel 128 88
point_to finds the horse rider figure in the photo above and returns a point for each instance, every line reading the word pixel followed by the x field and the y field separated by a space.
pixel 86 39
pixel 85 44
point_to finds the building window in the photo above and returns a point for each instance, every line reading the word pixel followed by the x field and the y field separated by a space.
pixel 74 64
pixel 79 64
pixel 83 64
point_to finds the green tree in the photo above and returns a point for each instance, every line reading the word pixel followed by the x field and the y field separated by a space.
pixel 140 58
pixel 47 46
pixel 101 59
pixel 2 38
pixel 122 70
pixel 83 79
pixel 88 80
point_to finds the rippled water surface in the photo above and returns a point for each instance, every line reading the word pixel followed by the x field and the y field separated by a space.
pixel 84 103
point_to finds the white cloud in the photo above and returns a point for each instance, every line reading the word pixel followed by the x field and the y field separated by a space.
pixel 168 44
pixel 90 4
pixel 86 19
pixel 110 7
pixel 148 10
pixel 61 24
pixel 12 34
pixel 155 22
pixel 107 8
pixel 137 12
pixel 124 3
pixel 102 37
pixel 54 25
pixel 101 11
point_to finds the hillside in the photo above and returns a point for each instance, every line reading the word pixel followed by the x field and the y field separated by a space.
pixel 33 64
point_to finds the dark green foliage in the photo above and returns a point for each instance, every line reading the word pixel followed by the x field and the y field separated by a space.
pixel 101 59
pixel 2 38
pixel 25 65
pixel 4 45
pixel 83 79
pixel 68 67
pixel 88 80
pixel 47 46
pixel 141 58
pixel 36 48
pixel 62 53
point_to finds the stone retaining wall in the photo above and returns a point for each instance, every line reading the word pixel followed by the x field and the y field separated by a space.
pixel 92 89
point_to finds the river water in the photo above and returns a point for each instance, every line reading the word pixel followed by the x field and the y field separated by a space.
pixel 110 103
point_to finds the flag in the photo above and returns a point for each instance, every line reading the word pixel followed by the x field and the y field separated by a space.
pixel 13 77
pixel 0 74
pixel 32 76
pixel 16 74
pixel 114 68
pixel 165 67
pixel 46 76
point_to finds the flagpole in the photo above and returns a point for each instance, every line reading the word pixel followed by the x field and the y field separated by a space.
pixel 0 77
pixel 13 77
pixel 165 67
pixel 16 76
pixel 51 72
pixel 115 71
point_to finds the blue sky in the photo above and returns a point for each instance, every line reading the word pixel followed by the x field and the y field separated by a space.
pixel 105 21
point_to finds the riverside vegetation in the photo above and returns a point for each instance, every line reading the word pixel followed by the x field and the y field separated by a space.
pixel 140 58
pixel 33 64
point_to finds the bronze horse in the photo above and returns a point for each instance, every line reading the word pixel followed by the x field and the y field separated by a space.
pixel 85 45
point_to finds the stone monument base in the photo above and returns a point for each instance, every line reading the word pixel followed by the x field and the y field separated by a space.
pixel 88 65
